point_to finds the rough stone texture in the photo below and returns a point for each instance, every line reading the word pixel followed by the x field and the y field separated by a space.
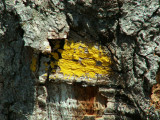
pixel 129 29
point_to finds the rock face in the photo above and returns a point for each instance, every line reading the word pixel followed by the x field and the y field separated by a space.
pixel 79 59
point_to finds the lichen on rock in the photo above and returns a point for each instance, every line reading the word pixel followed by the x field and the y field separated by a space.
pixel 33 65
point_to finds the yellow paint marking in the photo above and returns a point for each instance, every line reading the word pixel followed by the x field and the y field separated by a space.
pixel 79 59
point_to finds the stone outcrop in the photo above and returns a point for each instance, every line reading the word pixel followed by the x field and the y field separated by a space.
pixel 79 59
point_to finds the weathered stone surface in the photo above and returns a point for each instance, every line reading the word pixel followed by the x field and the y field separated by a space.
pixel 136 13
pixel 114 45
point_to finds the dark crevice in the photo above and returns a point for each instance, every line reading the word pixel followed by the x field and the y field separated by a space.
pixel 158 75
pixel 62 44
pixel 123 98
pixel 40 55
pixel 134 64
pixel 4 4
pixel 103 40
pixel 51 5
pixel 153 14
pixel 21 31
pixel 146 88
pixel 53 43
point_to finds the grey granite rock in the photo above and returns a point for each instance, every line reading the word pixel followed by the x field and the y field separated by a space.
pixel 31 30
